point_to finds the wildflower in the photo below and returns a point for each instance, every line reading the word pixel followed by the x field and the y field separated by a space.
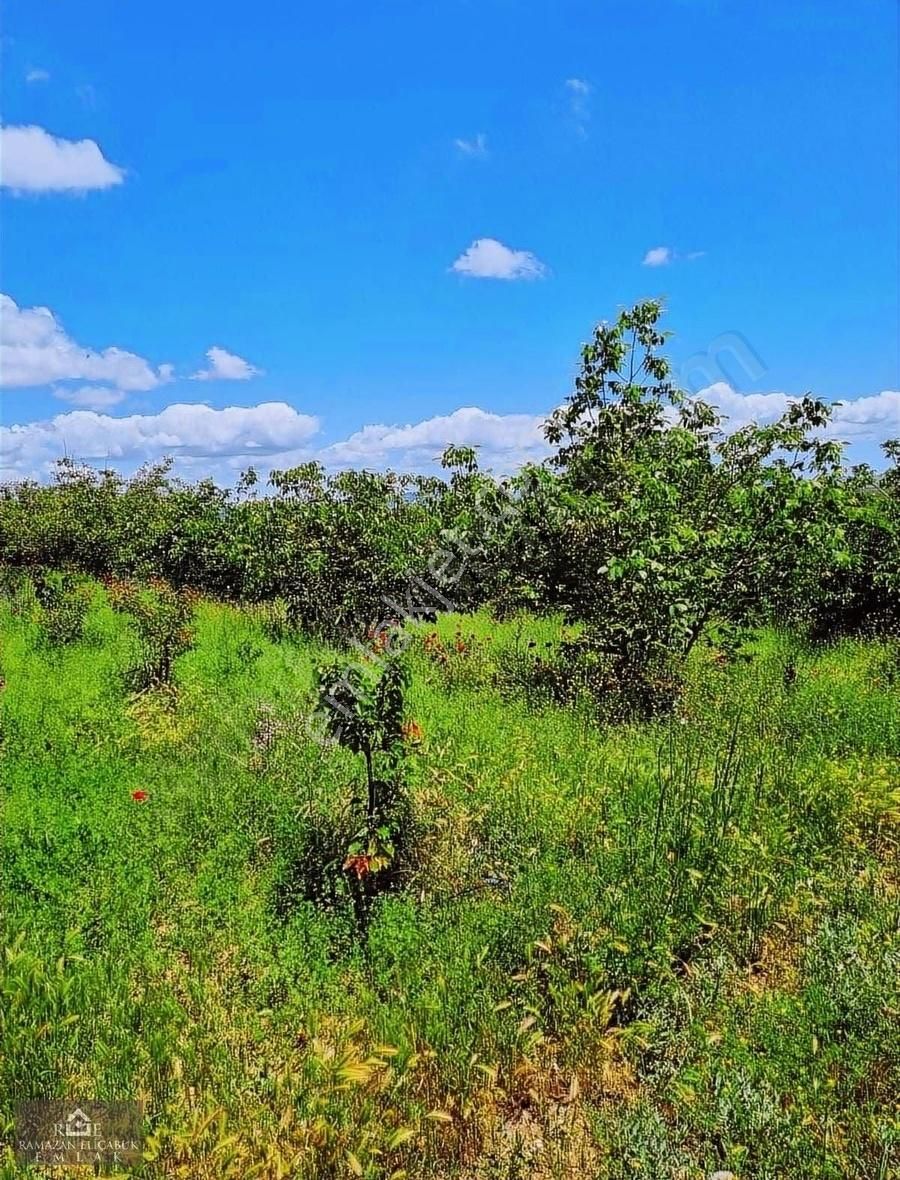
pixel 268 728
pixel 359 863
pixel 378 638
pixel 139 796
pixel 412 731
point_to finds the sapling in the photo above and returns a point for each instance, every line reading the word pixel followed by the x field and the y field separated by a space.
pixel 363 709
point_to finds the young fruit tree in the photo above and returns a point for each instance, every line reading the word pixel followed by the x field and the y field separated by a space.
pixel 668 522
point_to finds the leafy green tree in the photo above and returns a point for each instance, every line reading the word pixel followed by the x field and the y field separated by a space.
pixel 665 523
pixel 861 593
pixel 648 523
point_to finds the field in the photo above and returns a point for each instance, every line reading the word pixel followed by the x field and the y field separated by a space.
pixel 666 949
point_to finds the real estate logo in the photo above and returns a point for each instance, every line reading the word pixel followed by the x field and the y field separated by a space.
pixel 103 1135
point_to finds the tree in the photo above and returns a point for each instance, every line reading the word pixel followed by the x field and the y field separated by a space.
pixel 666 523
pixel 363 710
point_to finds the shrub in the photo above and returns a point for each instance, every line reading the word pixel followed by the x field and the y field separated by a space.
pixel 162 617
pixel 64 603
pixel 861 593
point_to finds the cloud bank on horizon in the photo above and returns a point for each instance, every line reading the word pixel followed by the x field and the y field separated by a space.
pixel 36 351
pixel 274 435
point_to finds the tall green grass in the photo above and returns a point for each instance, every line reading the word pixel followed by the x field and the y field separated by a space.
pixel 658 950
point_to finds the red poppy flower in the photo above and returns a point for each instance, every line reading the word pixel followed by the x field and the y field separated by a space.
pixel 139 796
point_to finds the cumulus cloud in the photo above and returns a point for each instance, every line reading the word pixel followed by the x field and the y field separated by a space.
pixel 472 147
pixel 206 441
pixel 869 419
pixel 37 75
pixel 36 350
pixel 507 439
pixel 225 366
pixel 487 258
pixel 91 397
pixel 659 256
pixel 35 161
pixel 740 409
pixel 192 431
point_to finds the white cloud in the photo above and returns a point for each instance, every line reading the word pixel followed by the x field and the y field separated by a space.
pixel 225 366
pixel 35 350
pixel 91 397
pixel 206 441
pixel 487 258
pixel 509 439
pixel 578 88
pixel 192 431
pixel 473 147
pixel 870 419
pixel 741 408
pixel 664 255
pixel 579 98
pixel 37 75
pixel 659 256
pixel 35 161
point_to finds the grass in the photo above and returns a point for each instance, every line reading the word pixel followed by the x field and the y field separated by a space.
pixel 659 950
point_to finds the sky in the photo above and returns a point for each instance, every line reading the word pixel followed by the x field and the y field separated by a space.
pixel 258 234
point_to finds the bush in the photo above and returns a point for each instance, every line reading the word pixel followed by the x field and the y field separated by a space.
pixel 162 618
pixel 860 595
pixel 64 601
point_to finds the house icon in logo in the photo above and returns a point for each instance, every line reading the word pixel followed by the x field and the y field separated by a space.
pixel 79 1125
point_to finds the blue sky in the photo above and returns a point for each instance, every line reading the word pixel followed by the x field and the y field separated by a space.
pixel 293 185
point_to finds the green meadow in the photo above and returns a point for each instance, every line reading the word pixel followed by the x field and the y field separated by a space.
pixel 657 949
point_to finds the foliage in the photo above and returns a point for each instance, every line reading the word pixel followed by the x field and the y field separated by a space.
pixel 648 525
pixel 64 600
pixel 665 523
pixel 363 709
pixel 162 617
pixel 862 595
pixel 533 945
